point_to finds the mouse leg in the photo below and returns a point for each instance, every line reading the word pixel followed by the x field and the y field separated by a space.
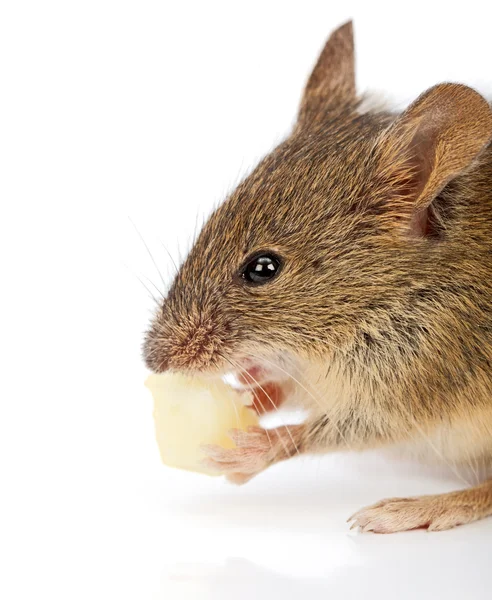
pixel 256 449
pixel 434 513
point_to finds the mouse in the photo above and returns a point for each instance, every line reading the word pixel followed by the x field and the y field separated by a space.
pixel 350 274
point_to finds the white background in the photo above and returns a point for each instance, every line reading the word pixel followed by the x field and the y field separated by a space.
pixel 153 110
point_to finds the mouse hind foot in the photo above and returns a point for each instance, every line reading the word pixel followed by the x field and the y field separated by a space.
pixel 434 513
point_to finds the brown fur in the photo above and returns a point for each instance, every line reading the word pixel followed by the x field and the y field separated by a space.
pixel 383 306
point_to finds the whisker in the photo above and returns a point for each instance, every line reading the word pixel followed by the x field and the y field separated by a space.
pixel 273 404
pixel 256 397
pixel 171 258
pixel 320 406
pixel 149 252
pixel 426 438
pixel 151 295
pixel 195 232
pixel 345 352
pixel 238 424
pixel 180 255
pixel 453 468
pixel 439 454
pixel 155 287
pixel 241 370
pixel 148 290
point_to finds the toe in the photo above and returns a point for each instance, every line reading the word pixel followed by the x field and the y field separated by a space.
pixel 392 515
pixel 373 509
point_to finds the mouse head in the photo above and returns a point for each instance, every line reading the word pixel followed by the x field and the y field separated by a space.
pixel 327 233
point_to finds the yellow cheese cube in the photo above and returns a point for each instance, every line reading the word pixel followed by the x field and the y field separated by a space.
pixel 191 411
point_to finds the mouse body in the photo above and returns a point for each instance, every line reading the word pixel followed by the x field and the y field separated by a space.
pixel 351 274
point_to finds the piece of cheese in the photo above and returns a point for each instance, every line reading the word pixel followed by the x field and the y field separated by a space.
pixel 191 411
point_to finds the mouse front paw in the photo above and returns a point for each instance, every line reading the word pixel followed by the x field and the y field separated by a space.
pixel 256 449
pixel 253 453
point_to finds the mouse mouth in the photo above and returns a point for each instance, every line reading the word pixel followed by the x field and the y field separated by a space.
pixel 264 380
pixel 254 372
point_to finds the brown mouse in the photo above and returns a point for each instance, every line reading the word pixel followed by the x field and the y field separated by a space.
pixel 351 274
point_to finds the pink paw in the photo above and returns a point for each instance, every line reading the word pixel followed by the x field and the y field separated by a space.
pixel 434 513
pixel 252 454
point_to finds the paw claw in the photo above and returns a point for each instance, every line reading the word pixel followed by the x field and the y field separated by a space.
pixel 354 516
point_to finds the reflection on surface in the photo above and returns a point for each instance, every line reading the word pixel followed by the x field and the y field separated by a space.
pixel 383 574
pixel 284 536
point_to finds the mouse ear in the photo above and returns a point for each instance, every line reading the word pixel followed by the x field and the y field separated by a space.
pixel 436 139
pixel 332 82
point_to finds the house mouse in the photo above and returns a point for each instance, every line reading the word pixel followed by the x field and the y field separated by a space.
pixel 351 274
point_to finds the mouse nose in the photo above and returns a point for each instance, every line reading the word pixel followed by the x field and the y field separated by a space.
pixel 155 354
pixel 193 345
pixel 193 353
pixel 190 351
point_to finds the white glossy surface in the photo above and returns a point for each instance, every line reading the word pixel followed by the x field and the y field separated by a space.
pixel 285 536
pixel 152 110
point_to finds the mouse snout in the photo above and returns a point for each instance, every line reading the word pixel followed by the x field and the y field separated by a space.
pixel 190 344
pixel 194 349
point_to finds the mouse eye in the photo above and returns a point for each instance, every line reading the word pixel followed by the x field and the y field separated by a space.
pixel 261 268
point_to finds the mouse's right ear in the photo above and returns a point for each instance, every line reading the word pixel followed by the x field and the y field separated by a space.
pixel 332 83
pixel 439 137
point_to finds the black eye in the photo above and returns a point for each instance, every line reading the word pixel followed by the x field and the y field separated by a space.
pixel 261 268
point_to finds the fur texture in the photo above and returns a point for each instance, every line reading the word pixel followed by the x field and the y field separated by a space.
pixel 382 310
